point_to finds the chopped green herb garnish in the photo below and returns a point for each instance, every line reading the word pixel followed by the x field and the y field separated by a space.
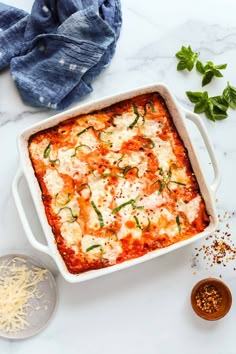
pixel 150 103
pixel 126 169
pixel 119 161
pixel 150 143
pixel 137 206
pixel 47 151
pixel 84 186
pixel 46 154
pixel 55 162
pixel 178 223
pixel 100 248
pixel 166 180
pixel 137 222
pixel 111 234
pixel 73 216
pixel 84 130
pixel 147 228
pixel 79 147
pixel 116 210
pixel 104 135
pixel 136 112
pixel 62 200
pixel 99 214
pixel 187 58
pixel 92 247
pixel 180 183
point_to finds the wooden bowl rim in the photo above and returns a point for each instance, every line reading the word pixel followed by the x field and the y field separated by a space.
pixel 213 281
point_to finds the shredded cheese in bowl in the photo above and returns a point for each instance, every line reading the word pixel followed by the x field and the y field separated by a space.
pixel 22 295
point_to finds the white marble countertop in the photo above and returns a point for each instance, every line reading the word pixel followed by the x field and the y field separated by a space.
pixel 146 308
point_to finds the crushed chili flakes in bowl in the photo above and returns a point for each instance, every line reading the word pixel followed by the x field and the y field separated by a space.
pixel 211 299
pixel 208 298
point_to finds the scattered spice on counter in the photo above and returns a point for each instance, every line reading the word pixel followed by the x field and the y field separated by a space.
pixel 219 247
pixel 208 298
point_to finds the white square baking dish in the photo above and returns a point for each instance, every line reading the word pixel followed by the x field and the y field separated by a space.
pixel 179 116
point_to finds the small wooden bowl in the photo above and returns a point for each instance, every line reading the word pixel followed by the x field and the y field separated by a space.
pixel 224 306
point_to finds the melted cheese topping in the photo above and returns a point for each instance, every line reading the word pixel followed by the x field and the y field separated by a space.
pixel 191 208
pixel 164 153
pixel 53 182
pixel 121 185
pixel 70 164
pixel 18 284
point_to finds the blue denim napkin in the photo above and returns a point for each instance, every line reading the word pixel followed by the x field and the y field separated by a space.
pixel 56 52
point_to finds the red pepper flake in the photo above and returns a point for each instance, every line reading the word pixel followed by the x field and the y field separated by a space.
pixel 219 248
pixel 209 298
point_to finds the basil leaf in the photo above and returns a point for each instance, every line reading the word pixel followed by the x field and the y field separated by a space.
pixel 221 66
pixel 215 108
pixel 209 114
pixel 207 78
pixel 187 58
pixel 220 102
pixel 200 106
pixel 209 70
pixel 194 96
pixel 217 73
pixel 200 67
pixel 181 65
pixel 229 94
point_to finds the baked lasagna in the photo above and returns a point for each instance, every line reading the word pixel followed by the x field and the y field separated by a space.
pixel 116 184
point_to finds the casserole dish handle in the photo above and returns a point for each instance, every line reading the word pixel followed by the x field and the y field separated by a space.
pixel 15 190
pixel 202 129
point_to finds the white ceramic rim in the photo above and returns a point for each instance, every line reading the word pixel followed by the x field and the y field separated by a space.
pixel 179 116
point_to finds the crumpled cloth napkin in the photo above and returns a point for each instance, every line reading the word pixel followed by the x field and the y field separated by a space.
pixel 56 52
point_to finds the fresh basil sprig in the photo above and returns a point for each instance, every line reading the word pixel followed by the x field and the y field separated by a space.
pixel 187 58
pixel 215 108
pixel 209 70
